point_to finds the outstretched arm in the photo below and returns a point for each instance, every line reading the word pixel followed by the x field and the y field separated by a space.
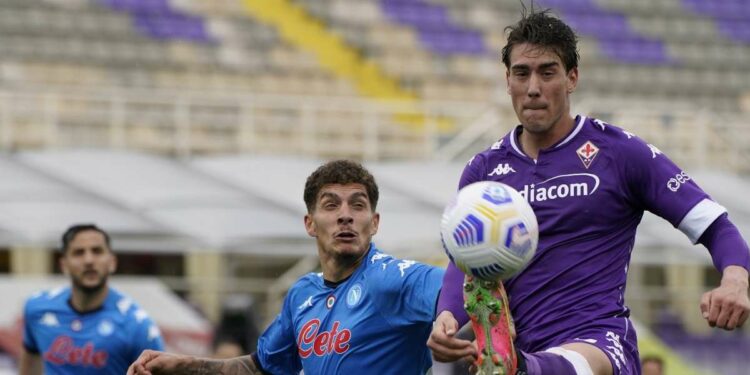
pixel 155 363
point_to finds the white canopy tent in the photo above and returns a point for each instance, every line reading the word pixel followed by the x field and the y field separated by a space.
pixel 253 205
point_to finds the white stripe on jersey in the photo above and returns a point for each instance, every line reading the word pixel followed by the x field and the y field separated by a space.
pixel 700 218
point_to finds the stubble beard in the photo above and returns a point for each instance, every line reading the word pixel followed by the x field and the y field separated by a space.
pixel 90 289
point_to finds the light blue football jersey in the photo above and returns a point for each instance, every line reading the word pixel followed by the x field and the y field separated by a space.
pixel 103 341
pixel 375 322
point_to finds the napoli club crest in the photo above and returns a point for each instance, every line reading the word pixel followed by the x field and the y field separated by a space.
pixel 354 295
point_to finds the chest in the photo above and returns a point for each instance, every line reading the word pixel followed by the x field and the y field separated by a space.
pixel 568 192
pixel 88 341
pixel 330 324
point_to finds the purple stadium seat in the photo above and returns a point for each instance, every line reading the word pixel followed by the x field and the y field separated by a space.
pixel 435 29
pixel 158 20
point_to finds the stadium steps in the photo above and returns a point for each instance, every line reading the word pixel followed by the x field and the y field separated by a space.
pixel 299 28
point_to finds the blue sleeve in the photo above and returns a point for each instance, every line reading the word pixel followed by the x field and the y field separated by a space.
pixel 146 336
pixel 29 342
pixel 277 347
pixel 409 291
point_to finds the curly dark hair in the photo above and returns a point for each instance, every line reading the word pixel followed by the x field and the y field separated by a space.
pixel 546 31
pixel 340 172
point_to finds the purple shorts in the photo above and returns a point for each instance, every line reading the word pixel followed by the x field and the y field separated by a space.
pixel 616 338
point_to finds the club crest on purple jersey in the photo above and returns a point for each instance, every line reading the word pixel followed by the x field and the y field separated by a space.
pixel 587 153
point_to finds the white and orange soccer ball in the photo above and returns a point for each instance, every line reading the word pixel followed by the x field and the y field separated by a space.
pixel 489 231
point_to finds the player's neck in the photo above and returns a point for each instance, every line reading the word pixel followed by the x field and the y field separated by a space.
pixel 532 143
pixel 336 269
pixel 83 301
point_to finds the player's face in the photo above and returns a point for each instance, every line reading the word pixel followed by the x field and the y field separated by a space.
pixel 88 261
pixel 343 221
pixel 539 87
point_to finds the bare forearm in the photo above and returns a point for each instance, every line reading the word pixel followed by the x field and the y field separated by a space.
pixel 736 275
pixel 234 366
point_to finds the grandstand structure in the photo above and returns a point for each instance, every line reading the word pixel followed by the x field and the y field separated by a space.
pixel 186 128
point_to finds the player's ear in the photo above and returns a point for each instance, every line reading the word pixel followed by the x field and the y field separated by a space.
pixel 507 82
pixel 310 226
pixel 113 264
pixel 63 265
pixel 375 223
pixel 572 80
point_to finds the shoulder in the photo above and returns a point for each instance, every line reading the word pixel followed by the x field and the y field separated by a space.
pixel 46 300
pixel 616 138
pixel 301 289
pixel 476 167
pixel 123 306
pixel 386 271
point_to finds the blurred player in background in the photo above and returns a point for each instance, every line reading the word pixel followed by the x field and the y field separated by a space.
pixel 589 184
pixel 652 365
pixel 367 312
pixel 88 327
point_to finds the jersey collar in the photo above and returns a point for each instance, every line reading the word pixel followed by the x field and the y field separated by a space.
pixel 514 135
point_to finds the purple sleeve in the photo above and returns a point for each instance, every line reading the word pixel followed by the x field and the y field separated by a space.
pixel 451 294
pixel 660 186
pixel 726 245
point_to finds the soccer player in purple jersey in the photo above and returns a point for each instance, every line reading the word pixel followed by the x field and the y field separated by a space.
pixel 589 183
pixel 366 312
pixel 88 328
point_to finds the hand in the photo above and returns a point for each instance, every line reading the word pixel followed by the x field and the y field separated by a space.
pixel 445 347
pixel 728 306
pixel 151 362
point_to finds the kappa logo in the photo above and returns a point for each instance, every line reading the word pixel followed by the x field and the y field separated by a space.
pixel 306 304
pixel 404 264
pixel 587 153
pixel 502 169
pixel 49 319
pixel 654 151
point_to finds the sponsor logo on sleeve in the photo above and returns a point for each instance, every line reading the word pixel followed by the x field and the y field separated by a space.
pixel 678 180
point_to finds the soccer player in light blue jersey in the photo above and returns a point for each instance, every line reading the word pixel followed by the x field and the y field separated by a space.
pixel 365 313
pixel 88 327
pixel 589 183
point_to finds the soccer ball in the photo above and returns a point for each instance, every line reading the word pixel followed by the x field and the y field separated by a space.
pixel 489 231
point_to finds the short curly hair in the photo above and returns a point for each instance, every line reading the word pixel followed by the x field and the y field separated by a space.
pixel 339 172
pixel 546 31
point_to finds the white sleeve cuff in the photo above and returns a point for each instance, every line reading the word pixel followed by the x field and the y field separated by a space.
pixel 700 218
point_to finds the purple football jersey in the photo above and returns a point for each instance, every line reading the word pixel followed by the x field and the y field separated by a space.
pixel 589 192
